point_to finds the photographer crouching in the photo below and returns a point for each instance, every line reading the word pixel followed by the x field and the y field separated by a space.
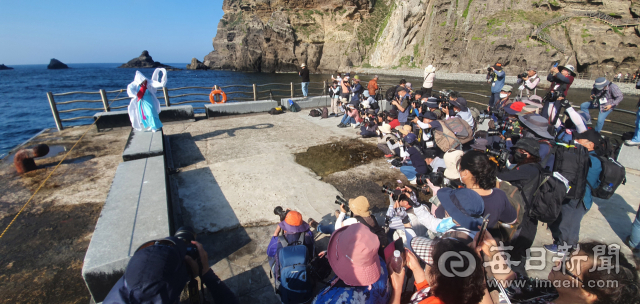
pixel 160 269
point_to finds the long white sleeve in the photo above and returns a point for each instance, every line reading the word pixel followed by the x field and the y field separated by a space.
pixel 577 120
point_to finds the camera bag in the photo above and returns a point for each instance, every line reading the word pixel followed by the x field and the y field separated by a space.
pixel 315 113
pixel 445 139
pixel 460 128
pixel 293 281
pixel 613 174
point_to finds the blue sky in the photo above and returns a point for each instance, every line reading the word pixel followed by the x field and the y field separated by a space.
pixel 91 31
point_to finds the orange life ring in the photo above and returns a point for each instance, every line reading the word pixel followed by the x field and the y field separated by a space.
pixel 214 93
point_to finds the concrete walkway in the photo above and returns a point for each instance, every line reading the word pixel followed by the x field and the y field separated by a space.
pixel 233 171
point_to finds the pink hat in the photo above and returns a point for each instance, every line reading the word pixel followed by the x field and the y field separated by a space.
pixel 353 255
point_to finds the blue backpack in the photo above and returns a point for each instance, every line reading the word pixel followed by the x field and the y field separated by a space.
pixel 293 281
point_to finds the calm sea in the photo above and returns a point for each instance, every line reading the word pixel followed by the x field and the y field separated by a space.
pixel 25 109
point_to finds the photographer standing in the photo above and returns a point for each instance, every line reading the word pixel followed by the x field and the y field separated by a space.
pixel 497 77
pixel 304 73
pixel 561 79
pixel 356 90
pixel 335 98
pixel 346 90
pixel 372 86
pixel 429 78
pixel 528 81
pixel 605 97
pixel 403 104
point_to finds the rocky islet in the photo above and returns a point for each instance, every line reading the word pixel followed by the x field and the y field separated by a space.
pixel 145 61
pixel 4 67
pixel 56 64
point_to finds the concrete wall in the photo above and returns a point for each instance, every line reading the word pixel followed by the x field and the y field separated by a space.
pixel 116 119
pixel 233 108
pixel 309 102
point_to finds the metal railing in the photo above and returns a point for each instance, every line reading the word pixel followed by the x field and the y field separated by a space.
pixel 188 95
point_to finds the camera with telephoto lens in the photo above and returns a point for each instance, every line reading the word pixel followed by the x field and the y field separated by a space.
pixel 187 234
pixel 390 191
pixel 437 178
pixel 501 156
pixel 490 74
pixel 341 201
pixel 523 75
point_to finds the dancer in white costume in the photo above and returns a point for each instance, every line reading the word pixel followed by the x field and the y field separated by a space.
pixel 145 107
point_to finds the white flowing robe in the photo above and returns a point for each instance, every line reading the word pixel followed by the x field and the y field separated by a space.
pixel 152 86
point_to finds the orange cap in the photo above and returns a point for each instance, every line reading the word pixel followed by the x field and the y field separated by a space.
pixel 293 218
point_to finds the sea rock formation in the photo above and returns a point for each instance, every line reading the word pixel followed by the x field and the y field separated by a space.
pixel 4 67
pixel 454 36
pixel 56 64
pixel 145 61
pixel 196 65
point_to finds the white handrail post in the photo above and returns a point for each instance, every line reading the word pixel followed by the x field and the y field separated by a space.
pixel 166 96
pixel 105 101
pixel 54 110
pixel 255 93
pixel 292 90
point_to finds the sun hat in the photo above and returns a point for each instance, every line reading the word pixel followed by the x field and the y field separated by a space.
pixel 356 77
pixel 430 69
pixel 303 65
pixel 528 144
pixel 293 223
pixel 480 144
pixel 600 83
pixel 507 88
pixel 423 248
pixel 410 139
pixel 406 129
pixel 537 124
pixel 366 93
pixel 465 206
pixel 385 128
pixel 515 107
pixel 498 66
pixel 166 279
pixel 460 103
pixel 360 206
pixel 590 135
pixel 529 109
pixel 353 255
pixel 451 159
pixel 429 115
pixel 569 68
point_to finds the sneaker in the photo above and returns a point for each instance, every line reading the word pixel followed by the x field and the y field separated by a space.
pixel 388 155
pixel 332 114
pixel 347 125
pixel 631 143
pixel 413 181
pixel 553 248
pixel 355 126
pixel 313 223
pixel 340 125
pixel 589 122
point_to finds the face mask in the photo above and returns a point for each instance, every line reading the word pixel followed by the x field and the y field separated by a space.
pixel 519 157
pixel 503 95
pixel 445 225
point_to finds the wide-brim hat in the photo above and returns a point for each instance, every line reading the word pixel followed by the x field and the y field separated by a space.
pixel 353 255
pixel 498 66
pixel 385 128
pixel 430 69
pixel 537 124
pixel 360 206
pixel 294 229
pixel 569 68
pixel 600 83
pixel 528 144
pixel 406 129
pixel 366 93
pixel 451 159
pixel 465 206
pixel 460 103
pixel 303 65
pixel 507 88
pixel 423 248
pixel 480 144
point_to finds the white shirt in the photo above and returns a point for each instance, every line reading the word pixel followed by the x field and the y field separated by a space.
pixel 466 116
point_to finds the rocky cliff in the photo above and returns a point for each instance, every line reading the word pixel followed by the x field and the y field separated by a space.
pixel 453 35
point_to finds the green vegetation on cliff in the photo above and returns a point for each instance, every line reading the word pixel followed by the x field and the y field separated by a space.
pixel 371 28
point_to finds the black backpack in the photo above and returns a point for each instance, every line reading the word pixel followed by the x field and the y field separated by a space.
pixel 315 113
pixel 572 162
pixel 325 112
pixel 612 175
pixel 547 200
pixel 276 111
pixel 390 93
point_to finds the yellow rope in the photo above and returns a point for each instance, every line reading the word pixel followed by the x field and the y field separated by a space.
pixel 52 171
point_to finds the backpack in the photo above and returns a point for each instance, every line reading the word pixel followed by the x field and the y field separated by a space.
pixel 445 139
pixel 608 148
pixel 276 111
pixel 390 93
pixel 547 200
pixel 475 113
pixel 293 106
pixel 293 281
pixel 325 112
pixel 315 113
pixel 516 201
pixel 572 162
pixel 612 175
pixel 460 128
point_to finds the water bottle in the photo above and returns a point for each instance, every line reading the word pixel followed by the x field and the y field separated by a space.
pixel 396 262
pixel 608 188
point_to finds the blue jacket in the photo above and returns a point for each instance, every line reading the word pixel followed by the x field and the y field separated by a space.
pixel 593 178
pixel 498 82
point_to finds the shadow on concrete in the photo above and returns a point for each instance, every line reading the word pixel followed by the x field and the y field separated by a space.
pixel 616 211
pixel 231 132
pixel 75 160
pixel 184 150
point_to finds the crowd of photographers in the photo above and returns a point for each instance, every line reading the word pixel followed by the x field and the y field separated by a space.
pixel 485 205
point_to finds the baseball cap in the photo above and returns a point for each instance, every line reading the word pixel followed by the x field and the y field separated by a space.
pixel 507 88
pixel 515 107
pixel 528 144
pixel 429 115
pixel 353 255
pixel 410 138
pixel 590 135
